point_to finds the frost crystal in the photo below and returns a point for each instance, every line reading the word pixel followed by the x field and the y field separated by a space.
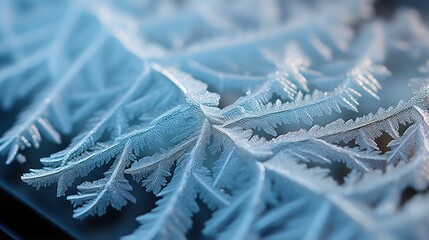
pixel 230 102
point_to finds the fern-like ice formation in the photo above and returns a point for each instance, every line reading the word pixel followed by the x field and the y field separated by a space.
pixel 156 81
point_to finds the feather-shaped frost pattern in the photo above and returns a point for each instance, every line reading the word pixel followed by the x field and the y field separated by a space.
pixel 113 190
pixel 264 119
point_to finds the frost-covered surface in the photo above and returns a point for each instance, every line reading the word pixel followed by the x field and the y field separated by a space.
pixel 148 88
